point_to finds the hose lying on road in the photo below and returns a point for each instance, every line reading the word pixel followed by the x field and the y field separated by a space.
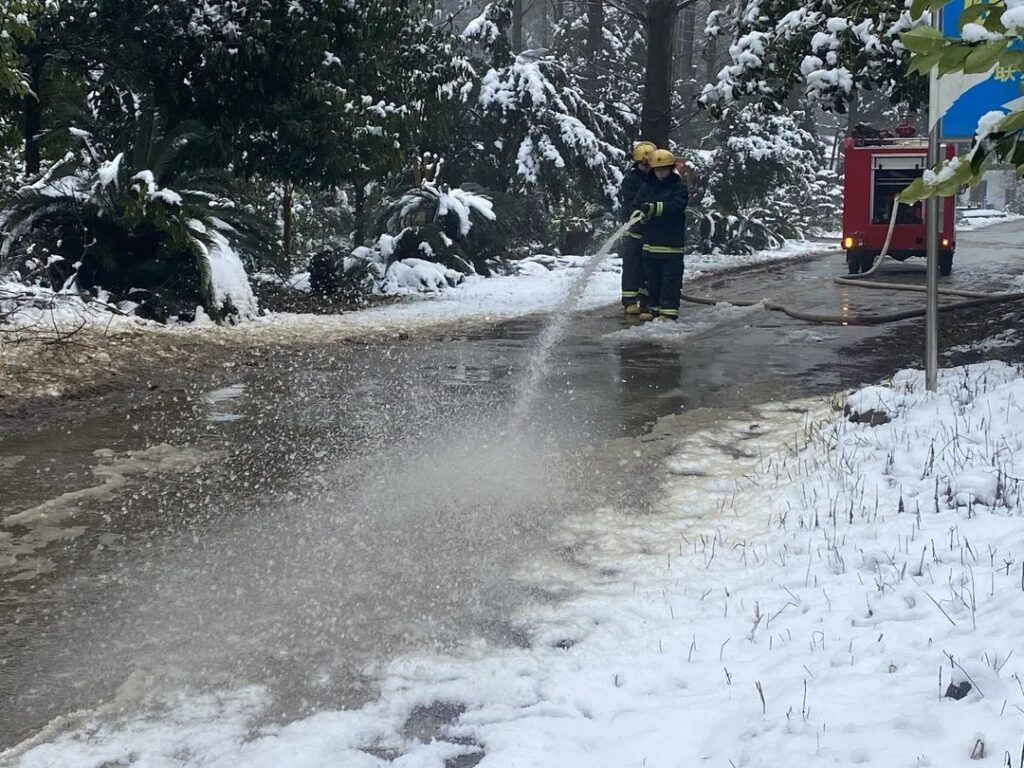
pixel 970 298
pixel 858 319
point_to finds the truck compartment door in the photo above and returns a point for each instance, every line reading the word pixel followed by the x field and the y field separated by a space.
pixel 890 175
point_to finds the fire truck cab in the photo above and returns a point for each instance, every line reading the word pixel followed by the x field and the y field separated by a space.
pixel 877 170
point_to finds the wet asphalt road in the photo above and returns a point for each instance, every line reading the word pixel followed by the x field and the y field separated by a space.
pixel 345 504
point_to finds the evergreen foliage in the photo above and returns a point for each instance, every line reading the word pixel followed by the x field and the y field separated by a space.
pixel 323 114
pixel 101 219
pixel 830 49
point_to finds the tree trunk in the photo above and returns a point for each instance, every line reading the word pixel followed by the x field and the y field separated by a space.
pixel 289 229
pixel 595 40
pixel 656 117
pixel 517 27
pixel 359 209
pixel 687 73
pixel 33 109
pixel 852 111
pixel 711 50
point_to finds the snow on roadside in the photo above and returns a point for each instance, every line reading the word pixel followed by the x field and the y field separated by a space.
pixel 28 308
pixel 982 218
pixel 539 286
pixel 808 593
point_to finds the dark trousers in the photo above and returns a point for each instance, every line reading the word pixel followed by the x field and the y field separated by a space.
pixel 633 286
pixel 664 282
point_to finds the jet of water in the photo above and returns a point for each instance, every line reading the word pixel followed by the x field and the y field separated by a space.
pixel 536 370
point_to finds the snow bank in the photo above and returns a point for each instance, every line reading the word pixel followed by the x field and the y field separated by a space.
pixel 539 285
pixel 418 276
pixel 31 307
pixel 980 218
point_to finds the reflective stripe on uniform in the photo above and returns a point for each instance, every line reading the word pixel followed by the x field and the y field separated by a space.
pixel 630 294
pixel 634 235
pixel 669 312
pixel 662 249
pixel 659 208
pixel 643 292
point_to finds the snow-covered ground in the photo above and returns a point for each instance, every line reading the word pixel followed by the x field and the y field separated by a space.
pixel 539 286
pixel 972 219
pixel 811 592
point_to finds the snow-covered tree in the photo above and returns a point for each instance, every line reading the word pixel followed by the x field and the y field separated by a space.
pixel 606 62
pixel 765 181
pixel 531 127
pixel 828 48
pixel 17 31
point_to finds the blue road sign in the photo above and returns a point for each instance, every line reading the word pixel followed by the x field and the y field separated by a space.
pixel 995 93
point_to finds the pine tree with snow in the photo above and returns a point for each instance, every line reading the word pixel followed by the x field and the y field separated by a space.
pixel 830 49
pixel 606 69
pixel 765 182
pixel 532 129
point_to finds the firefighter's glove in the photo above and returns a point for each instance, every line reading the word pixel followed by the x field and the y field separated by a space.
pixel 644 212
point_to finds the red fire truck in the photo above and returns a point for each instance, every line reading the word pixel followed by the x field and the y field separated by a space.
pixel 878 168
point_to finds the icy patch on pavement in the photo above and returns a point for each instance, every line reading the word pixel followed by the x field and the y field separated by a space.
pixel 220 403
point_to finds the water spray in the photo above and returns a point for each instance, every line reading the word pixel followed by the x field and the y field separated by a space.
pixel 526 389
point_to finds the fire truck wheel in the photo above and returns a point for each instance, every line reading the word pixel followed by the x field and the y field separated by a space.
pixel 945 264
pixel 867 261
pixel 853 262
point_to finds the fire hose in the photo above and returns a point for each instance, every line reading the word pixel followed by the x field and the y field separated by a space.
pixel 969 300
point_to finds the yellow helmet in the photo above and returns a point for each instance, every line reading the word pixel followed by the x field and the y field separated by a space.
pixel 661 158
pixel 643 151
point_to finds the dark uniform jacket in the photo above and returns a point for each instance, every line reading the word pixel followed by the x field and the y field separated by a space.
pixel 633 180
pixel 665 231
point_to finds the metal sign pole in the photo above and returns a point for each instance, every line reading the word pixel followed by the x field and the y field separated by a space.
pixel 931 322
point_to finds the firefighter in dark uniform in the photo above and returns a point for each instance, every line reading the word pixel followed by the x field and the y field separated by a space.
pixel 662 202
pixel 633 288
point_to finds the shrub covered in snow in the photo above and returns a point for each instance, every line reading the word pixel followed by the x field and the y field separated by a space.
pixel 104 221
pixel 529 126
pixel 418 276
pixel 431 224
pixel 767 180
